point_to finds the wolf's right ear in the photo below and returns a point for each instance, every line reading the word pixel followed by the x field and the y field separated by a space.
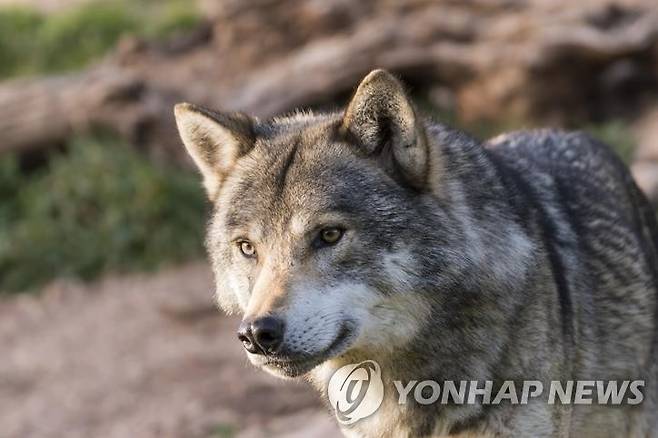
pixel 215 141
pixel 382 121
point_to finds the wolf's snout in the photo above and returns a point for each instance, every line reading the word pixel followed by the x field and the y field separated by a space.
pixel 261 335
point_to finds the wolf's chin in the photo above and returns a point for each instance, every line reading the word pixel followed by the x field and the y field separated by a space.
pixel 291 368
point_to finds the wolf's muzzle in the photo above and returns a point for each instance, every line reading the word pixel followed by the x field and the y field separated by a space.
pixel 262 335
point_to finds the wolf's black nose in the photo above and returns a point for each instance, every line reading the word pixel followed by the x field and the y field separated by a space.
pixel 262 335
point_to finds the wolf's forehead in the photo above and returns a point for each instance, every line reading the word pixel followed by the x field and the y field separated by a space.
pixel 301 180
pixel 298 166
pixel 298 176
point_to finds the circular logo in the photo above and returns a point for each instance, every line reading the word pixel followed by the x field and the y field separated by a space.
pixel 356 391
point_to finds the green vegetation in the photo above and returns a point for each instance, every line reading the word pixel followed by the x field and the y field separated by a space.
pixel 616 134
pixel 32 43
pixel 102 206
pixel 223 431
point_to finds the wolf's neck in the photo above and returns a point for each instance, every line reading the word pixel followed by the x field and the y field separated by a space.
pixel 496 248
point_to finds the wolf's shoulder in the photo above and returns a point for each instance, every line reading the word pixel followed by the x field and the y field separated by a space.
pixel 588 196
pixel 574 160
pixel 580 182
pixel 557 150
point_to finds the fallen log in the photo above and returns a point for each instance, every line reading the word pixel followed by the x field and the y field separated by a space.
pixel 500 59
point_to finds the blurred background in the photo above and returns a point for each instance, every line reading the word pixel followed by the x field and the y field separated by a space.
pixel 107 326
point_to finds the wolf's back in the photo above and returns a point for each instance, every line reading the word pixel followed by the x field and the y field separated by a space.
pixel 602 235
pixel 588 194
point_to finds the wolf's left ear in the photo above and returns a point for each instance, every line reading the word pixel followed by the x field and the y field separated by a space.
pixel 215 141
pixel 381 119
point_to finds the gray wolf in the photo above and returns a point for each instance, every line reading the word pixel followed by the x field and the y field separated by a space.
pixel 374 233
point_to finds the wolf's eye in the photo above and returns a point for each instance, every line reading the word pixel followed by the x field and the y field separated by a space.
pixel 331 235
pixel 247 248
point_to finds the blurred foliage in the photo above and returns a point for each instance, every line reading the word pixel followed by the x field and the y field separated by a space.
pixel 32 43
pixel 616 134
pixel 223 431
pixel 17 35
pixel 99 207
pixel 68 40
pixel 174 17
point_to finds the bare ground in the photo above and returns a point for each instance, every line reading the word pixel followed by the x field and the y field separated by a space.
pixel 140 356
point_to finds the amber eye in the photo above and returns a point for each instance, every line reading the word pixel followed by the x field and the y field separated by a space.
pixel 247 248
pixel 331 235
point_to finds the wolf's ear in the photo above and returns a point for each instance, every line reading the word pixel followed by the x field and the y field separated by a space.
pixel 381 119
pixel 215 141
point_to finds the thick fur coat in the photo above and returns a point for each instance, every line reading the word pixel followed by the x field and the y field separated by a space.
pixel 374 233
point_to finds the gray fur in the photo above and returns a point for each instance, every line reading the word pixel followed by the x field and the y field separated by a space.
pixel 531 256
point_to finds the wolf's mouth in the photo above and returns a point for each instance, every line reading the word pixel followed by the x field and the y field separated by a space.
pixel 298 365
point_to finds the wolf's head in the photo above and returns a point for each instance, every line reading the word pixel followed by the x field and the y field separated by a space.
pixel 324 229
